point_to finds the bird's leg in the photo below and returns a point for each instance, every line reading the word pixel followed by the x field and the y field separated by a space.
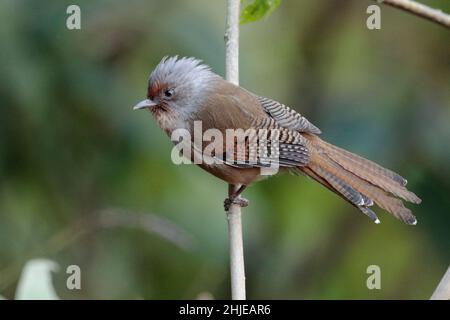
pixel 233 197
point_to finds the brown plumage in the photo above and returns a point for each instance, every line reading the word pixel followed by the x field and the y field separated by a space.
pixel 363 176
pixel 197 94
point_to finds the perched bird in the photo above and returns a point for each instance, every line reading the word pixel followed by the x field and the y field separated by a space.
pixel 182 91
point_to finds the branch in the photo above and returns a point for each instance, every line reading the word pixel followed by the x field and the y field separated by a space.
pixel 420 10
pixel 442 292
pixel 237 267
pixel 232 42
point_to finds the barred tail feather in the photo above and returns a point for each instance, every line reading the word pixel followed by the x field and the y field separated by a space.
pixel 372 172
pixel 359 181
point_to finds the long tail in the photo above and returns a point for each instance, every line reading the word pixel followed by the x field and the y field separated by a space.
pixel 359 181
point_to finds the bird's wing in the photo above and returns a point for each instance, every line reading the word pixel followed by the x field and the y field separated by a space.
pixel 287 117
pixel 264 141
pixel 286 146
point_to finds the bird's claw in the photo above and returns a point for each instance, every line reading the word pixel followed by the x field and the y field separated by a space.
pixel 241 202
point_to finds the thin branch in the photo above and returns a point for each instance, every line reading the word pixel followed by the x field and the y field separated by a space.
pixel 442 291
pixel 420 10
pixel 237 267
pixel 232 42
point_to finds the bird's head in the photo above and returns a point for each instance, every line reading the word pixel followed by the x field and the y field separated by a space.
pixel 178 85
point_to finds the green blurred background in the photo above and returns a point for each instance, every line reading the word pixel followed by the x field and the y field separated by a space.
pixel 86 181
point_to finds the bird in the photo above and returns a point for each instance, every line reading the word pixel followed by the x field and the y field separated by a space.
pixel 183 91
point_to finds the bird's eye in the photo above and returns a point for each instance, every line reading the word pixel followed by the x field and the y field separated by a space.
pixel 169 93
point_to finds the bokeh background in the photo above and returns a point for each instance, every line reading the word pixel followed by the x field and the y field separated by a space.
pixel 86 181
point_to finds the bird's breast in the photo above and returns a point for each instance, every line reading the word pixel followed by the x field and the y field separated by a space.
pixel 233 175
pixel 168 120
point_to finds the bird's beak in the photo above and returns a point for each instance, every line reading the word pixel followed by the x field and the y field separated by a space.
pixel 147 103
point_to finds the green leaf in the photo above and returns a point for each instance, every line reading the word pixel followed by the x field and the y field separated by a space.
pixel 257 9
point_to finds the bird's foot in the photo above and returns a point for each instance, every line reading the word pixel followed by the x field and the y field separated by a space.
pixel 241 202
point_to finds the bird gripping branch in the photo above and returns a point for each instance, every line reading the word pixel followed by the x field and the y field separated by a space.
pixel 183 91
